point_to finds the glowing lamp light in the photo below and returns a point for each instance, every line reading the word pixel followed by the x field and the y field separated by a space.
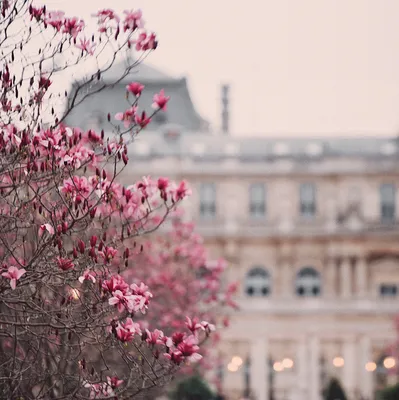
pixel 288 363
pixel 236 361
pixel 232 367
pixel 338 362
pixel 75 294
pixel 278 366
pixel 371 366
pixel 389 362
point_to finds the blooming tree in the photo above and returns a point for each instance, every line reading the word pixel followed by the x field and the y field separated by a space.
pixel 69 319
pixel 186 281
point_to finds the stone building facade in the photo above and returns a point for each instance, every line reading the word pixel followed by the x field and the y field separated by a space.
pixel 312 238
pixel 310 230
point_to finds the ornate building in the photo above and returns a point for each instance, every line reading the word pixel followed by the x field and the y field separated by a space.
pixel 310 230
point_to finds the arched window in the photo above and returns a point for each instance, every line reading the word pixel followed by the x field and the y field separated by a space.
pixel 258 282
pixel 308 283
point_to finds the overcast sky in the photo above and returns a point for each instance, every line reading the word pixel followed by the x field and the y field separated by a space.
pixel 296 67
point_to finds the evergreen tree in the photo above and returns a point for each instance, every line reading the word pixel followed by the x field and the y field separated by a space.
pixel 335 391
pixel 390 393
pixel 192 388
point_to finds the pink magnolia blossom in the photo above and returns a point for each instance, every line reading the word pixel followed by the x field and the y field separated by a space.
pixel 128 117
pixel 114 382
pixel 206 326
pixel 145 42
pixel 36 12
pixel 133 20
pixel 105 15
pixel 182 191
pixel 55 19
pixel 160 100
pixel 154 337
pixel 73 26
pixel 142 119
pixel 193 324
pixel 131 326
pixel 46 227
pixel 64 263
pixel 122 301
pixel 44 82
pixel 107 19
pixel 116 282
pixel 99 390
pixel 87 276
pixel 135 88
pixel 189 347
pixel 86 45
pixel 141 290
pixel 108 254
pixel 14 274
pixel 124 335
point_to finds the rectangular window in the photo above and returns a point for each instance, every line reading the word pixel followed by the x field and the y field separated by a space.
pixel 387 202
pixel 257 200
pixel 388 290
pixel 307 199
pixel 207 200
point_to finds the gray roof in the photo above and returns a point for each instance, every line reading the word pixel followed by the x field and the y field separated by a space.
pixel 208 147
pixel 143 73
pixel 180 108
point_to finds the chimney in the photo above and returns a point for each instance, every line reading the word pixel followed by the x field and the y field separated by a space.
pixel 225 109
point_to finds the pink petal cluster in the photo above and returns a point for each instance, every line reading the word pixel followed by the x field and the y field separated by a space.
pixel 74 220
pixel 185 348
pixel 86 45
pixel 128 116
pixel 125 297
pixel 133 20
pixel 13 274
pixel 160 100
pixel 135 88
pixel 88 276
pixel 145 42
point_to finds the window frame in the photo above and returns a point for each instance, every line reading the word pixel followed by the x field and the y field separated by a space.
pixel 308 290
pixel 257 207
pixel 207 207
pixel 389 205
pixel 264 282
pixel 307 209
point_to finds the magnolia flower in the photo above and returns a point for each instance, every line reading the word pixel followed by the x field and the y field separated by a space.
pixel 206 326
pixel 121 301
pixel 192 324
pixel 87 276
pixel 155 337
pixel 64 263
pixel 135 88
pixel 160 100
pixel 114 381
pixel 86 45
pixel 46 227
pixel 14 274
pixel 142 119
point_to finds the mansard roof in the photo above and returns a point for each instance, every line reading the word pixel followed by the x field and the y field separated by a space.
pixel 180 109
pixel 252 149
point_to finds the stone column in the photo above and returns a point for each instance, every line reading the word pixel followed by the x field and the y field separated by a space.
pixel 361 277
pixel 314 364
pixel 366 378
pixel 286 287
pixel 259 369
pixel 349 372
pixel 345 278
pixel 331 277
pixel 302 370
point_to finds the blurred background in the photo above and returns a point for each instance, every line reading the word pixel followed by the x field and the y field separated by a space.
pixel 283 118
